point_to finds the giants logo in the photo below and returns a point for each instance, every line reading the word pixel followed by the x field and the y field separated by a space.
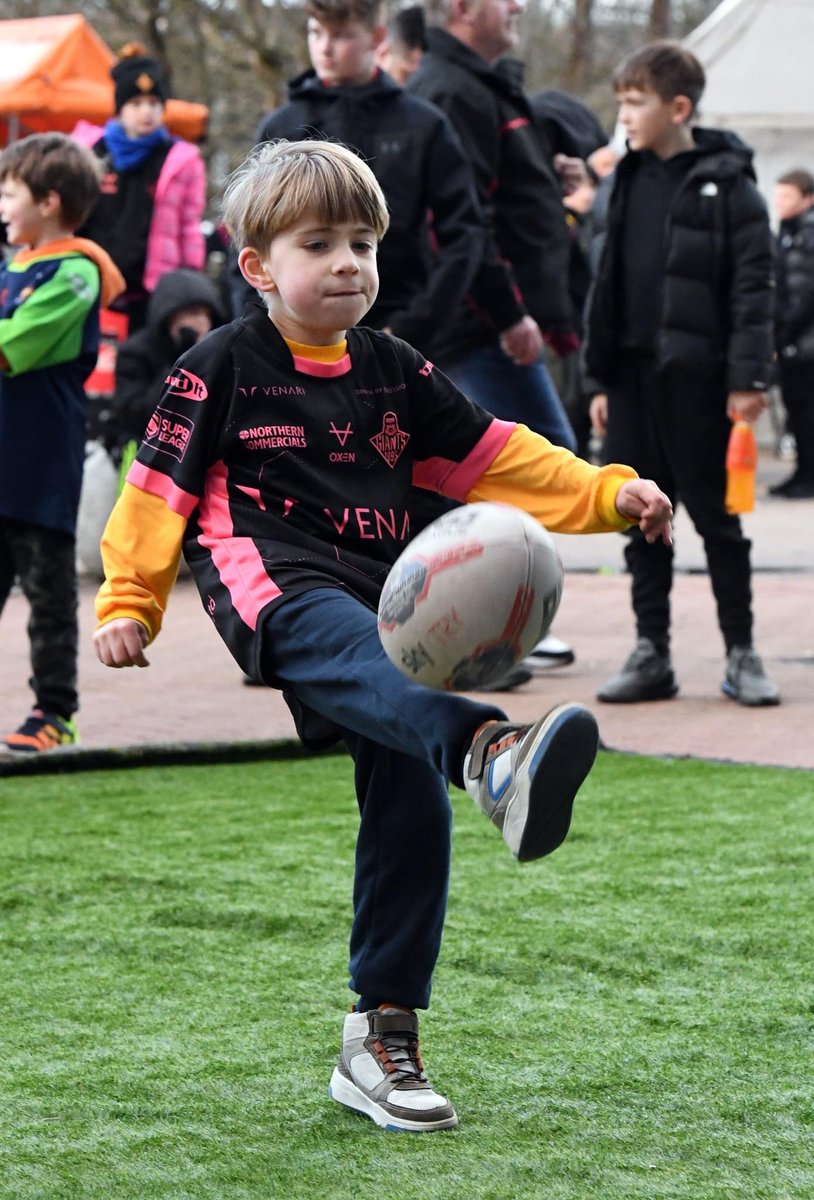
pixel 391 441
pixel 184 383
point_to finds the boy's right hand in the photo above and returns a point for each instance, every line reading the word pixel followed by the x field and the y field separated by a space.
pixel 121 643
pixel 598 412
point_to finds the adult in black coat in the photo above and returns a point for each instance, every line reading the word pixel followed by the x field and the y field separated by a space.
pixel 492 343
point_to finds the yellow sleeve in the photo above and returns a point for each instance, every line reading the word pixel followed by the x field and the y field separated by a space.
pixel 563 492
pixel 141 549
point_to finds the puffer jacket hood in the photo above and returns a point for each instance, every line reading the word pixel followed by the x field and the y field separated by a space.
pixel 181 289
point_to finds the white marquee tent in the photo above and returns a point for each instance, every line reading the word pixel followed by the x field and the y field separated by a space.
pixel 759 60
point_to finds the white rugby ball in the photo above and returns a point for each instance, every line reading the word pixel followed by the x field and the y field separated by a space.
pixel 470 596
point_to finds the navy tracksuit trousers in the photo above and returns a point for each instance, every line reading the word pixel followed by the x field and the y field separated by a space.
pixel 407 743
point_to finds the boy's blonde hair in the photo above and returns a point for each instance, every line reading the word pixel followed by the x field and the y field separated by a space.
pixel 282 181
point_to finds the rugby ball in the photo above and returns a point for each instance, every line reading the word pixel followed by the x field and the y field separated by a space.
pixel 470 596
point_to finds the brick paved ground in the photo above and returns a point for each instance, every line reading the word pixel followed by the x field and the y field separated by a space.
pixel 193 691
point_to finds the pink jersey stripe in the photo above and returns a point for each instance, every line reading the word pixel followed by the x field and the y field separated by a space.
pixel 456 480
pixel 157 484
pixel 328 370
pixel 236 559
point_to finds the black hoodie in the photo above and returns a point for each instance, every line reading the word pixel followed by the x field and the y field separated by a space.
pixel 144 361
pixel 694 288
pixel 416 157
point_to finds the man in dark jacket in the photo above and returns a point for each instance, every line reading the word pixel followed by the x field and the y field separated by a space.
pixel 436 236
pixel 794 323
pixel 679 337
pixel 492 343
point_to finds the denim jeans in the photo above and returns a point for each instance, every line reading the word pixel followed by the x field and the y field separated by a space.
pixel 406 742
pixel 523 394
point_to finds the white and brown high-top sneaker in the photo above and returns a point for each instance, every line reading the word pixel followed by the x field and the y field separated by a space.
pixel 380 1073
pixel 525 777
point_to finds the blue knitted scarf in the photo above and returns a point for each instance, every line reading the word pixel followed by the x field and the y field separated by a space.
pixel 128 153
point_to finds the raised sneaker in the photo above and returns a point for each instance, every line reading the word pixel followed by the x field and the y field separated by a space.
pixel 380 1073
pixel 646 675
pixel 42 731
pixel 525 777
pixel 746 681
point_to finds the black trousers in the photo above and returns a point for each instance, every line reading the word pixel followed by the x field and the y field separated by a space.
pixel 797 384
pixel 674 429
pixel 44 560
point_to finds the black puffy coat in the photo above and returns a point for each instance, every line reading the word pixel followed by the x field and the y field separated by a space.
pixel 418 160
pixel 526 268
pixel 717 295
pixel 795 288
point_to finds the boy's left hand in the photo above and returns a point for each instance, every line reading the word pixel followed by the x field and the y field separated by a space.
pixel 642 501
pixel 746 406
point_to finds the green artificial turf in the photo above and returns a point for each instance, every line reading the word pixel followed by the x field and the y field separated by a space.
pixel 632 1017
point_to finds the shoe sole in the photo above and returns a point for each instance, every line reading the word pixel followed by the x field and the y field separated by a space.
pixel 763 702
pixel 348 1094
pixel 549 662
pixel 647 694
pixel 560 756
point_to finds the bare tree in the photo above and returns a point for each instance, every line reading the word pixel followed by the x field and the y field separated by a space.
pixel 660 19
pixel 579 60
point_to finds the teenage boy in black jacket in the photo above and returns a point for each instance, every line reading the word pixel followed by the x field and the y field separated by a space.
pixel 425 266
pixel 680 342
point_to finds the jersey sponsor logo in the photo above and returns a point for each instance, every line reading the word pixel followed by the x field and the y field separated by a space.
pixel 273 437
pixel 184 383
pixel 390 442
pixel 80 287
pixel 341 435
pixel 168 432
pixel 371 524
pixel 273 390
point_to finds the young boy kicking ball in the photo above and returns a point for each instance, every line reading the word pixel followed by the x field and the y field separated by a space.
pixel 281 459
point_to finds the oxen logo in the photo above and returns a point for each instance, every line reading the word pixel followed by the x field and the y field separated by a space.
pixel 184 383
pixel 391 441
pixel 168 432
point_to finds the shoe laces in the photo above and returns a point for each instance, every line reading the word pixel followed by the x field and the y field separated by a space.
pixel 397 1049
pixel 744 658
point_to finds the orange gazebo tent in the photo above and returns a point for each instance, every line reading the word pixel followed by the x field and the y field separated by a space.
pixel 55 71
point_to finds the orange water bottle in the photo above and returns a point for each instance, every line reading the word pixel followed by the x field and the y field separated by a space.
pixel 741 467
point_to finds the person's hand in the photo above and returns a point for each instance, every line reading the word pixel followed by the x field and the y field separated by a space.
pixel 562 341
pixel 642 501
pixel 598 412
pixel 121 643
pixel 573 172
pixel 746 406
pixel 522 342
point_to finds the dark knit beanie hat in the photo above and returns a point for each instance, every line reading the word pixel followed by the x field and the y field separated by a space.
pixel 137 75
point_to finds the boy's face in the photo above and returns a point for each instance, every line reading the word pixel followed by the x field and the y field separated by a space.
pixel 650 123
pixel 319 279
pixel 24 216
pixel 790 202
pixel 343 54
pixel 400 62
pixel 141 115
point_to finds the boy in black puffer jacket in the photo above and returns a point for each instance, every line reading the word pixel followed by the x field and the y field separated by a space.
pixel 679 344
